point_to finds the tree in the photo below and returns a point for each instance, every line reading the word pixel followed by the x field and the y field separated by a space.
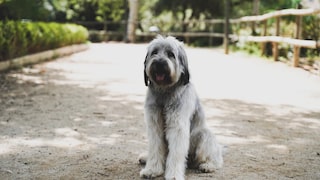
pixel 271 5
pixel 94 10
pixel 132 20
pixel 26 9
pixel 209 8
pixel 63 10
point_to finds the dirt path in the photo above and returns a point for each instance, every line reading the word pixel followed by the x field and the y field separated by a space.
pixel 81 117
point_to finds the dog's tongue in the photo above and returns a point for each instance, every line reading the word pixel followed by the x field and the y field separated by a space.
pixel 160 77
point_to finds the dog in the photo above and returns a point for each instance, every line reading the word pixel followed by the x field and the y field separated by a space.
pixel 177 132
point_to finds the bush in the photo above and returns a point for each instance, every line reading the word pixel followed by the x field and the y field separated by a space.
pixel 21 38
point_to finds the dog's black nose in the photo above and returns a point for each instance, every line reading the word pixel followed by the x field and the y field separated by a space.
pixel 160 66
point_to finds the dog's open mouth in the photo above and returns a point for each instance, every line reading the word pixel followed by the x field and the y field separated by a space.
pixel 160 73
pixel 160 77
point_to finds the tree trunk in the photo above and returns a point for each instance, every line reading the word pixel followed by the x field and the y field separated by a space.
pixel 132 20
pixel 255 12
pixel 226 26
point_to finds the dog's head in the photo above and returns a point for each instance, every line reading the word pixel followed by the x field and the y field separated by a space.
pixel 166 62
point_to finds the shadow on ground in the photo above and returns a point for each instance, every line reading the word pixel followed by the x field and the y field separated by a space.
pixel 266 141
pixel 67 131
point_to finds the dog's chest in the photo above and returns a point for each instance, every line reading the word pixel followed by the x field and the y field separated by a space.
pixel 167 105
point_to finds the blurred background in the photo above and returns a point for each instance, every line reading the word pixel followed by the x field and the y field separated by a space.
pixel 197 23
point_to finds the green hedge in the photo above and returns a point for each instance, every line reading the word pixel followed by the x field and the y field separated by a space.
pixel 21 38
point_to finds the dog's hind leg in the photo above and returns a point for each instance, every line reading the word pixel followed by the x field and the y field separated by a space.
pixel 207 152
pixel 143 158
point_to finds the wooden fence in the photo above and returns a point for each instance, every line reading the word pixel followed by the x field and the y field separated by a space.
pixel 275 39
pixel 296 41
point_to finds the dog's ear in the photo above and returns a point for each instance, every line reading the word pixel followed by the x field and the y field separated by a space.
pixel 185 75
pixel 146 79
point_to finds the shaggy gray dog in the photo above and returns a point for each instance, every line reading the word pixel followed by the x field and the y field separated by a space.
pixel 176 127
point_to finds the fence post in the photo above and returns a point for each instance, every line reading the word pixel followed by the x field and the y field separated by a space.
pixel 275 44
pixel 211 31
pixel 263 44
pixel 226 27
pixel 296 49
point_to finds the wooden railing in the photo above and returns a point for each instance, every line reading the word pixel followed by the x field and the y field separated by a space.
pixel 211 33
pixel 275 39
pixel 296 41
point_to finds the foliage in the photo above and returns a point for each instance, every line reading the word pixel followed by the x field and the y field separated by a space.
pixel 21 38
pixel 113 10
pixel 63 10
pixel 23 9
pixel 93 10
pixel 311 31
pixel 207 8
pixel 272 5
pixel 169 14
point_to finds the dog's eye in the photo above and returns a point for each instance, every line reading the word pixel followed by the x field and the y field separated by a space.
pixel 154 52
pixel 170 54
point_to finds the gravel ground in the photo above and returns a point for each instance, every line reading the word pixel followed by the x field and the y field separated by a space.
pixel 81 116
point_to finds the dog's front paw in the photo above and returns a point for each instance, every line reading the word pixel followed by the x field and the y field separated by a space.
pixel 207 167
pixel 150 173
pixel 174 177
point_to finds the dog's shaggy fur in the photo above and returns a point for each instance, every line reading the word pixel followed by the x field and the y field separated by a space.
pixel 176 127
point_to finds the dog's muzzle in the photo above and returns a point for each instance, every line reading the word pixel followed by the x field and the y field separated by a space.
pixel 160 72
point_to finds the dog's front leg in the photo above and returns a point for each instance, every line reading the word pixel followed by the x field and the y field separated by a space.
pixel 157 149
pixel 177 135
